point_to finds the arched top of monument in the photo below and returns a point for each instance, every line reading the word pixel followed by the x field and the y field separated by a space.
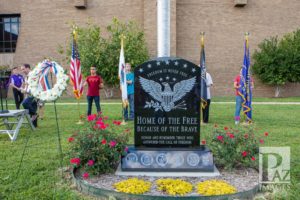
pixel 168 62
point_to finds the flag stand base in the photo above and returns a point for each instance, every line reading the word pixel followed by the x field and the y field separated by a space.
pixel 246 123
pixel 79 122
pixel 123 122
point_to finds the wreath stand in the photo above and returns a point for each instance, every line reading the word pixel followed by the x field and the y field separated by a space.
pixel 38 80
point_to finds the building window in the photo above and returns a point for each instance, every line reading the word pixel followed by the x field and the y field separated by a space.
pixel 9 31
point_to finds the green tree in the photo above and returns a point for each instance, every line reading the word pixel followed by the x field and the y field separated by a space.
pixel 278 60
pixel 104 52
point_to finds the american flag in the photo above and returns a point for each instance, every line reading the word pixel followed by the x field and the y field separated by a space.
pixel 75 71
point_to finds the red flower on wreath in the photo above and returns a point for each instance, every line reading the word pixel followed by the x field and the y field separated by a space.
pixel 231 136
pixel 253 158
pixel 70 139
pixel 246 136
pixel 203 142
pixel 225 128
pixel 244 153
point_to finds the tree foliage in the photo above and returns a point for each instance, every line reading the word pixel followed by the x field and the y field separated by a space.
pixel 96 49
pixel 278 60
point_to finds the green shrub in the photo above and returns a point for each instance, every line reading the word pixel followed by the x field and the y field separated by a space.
pixel 104 51
pixel 277 61
pixel 96 148
pixel 235 148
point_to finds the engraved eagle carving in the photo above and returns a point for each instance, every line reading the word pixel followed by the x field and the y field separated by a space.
pixel 166 96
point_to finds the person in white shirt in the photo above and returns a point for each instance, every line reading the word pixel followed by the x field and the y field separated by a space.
pixel 205 111
pixel 29 102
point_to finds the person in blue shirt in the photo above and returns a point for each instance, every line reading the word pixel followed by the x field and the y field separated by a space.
pixel 16 81
pixel 130 93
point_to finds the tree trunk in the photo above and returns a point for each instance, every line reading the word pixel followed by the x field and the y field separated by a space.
pixel 277 91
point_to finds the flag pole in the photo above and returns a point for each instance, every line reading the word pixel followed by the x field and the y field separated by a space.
pixel 123 104
pixel 76 92
pixel 79 114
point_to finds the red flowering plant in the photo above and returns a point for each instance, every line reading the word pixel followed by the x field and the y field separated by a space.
pixel 97 147
pixel 236 148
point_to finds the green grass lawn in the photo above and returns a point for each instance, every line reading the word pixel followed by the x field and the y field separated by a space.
pixel 40 175
pixel 215 99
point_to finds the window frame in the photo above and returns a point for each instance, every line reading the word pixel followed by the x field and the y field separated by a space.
pixel 9 39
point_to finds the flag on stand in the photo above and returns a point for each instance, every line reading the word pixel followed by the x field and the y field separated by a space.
pixel 122 76
pixel 75 69
pixel 203 75
pixel 245 89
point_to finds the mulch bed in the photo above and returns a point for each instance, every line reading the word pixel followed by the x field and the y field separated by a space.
pixel 243 180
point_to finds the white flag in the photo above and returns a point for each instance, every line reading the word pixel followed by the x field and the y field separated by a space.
pixel 122 75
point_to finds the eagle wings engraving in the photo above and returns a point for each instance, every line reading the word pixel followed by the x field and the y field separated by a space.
pixel 167 97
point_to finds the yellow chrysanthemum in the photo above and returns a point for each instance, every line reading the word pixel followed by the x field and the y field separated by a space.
pixel 215 187
pixel 174 186
pixel 133 186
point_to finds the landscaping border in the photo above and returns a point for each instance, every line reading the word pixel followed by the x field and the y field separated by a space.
pixel 113 195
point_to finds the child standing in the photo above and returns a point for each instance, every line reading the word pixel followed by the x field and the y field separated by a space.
pixel 16 82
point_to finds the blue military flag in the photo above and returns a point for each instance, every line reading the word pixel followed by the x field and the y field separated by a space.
pixel 203 75
pixel 245 89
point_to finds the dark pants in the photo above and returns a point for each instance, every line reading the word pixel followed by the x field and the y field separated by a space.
pixel 31 105
pixel 131 108
pixel 18 96
pixel 205 112
pixel 90 102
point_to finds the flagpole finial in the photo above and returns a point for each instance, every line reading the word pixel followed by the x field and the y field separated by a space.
pixel 202 38
pixel 247 35
pixel 74 31
pixel 122 37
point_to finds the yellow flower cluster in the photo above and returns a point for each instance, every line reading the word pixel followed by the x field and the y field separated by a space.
pixel 133 186
pixel 174 186
pixel 215 187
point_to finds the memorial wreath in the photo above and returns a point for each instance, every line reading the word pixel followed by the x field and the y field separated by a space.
pixel 38 82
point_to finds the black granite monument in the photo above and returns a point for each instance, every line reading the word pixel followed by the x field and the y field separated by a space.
pixel 167 118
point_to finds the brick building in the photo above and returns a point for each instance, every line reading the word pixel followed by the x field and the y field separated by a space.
pixel 44 24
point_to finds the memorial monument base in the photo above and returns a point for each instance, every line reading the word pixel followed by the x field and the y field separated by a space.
pixel 198 159
pixel 119 172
